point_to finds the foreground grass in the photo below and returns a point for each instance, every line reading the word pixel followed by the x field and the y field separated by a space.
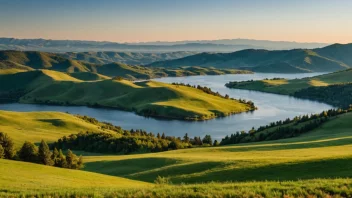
pixel 303 188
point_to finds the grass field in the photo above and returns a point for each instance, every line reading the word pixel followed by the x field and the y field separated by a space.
pixel 146 98
pixel 316 164
pixel 283 86
pixel 35 126
pixel 323 153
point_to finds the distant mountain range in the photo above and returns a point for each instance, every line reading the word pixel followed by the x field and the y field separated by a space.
pixel 225 45
pixel 327 59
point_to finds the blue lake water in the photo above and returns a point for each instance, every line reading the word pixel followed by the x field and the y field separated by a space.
pixel 271 107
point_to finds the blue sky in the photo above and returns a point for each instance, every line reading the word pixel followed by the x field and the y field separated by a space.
pixel 166 20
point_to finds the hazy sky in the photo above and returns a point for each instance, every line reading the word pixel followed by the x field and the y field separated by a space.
pixel 172 20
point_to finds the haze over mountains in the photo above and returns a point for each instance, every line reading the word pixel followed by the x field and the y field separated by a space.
pixel 331 58
pixel 224 45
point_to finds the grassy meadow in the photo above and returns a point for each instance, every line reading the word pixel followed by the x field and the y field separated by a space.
pixel 315 164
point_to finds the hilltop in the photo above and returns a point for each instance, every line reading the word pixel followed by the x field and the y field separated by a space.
pixel 147 98
pixel 327 59
pixel 18 61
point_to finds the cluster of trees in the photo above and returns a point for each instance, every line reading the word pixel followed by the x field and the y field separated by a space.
pixel 337 95
pixel 12 95
pixel 29 152
pixel 209 91
pixel 135 142
pixel 283 129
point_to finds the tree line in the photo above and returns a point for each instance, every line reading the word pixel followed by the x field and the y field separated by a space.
pixel 29 152
pixel 336 95
pixel 283 129
pixel 100 142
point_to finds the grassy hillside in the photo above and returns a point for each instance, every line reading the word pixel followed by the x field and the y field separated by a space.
pixel 284 86
pixel 333 88
pixel 36 126
pixel 41 60
pixel 21 177
pixel 322 153
pixel 88 76
pixel 328 59
pixel 315 164
pixel 145 98
pixel 132 58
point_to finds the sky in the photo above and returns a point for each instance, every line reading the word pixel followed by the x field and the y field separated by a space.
pixel 324 21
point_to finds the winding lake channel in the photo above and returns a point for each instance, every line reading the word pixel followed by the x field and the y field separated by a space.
pixel 271 107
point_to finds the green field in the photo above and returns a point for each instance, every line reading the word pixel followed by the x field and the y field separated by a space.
pixel 318 163
pixel 147 98
pixel 284 86
pixel 35 126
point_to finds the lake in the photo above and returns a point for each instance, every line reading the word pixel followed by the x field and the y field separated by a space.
pixel 271 107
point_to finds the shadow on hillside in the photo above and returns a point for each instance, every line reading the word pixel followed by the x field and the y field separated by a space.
pixel 297 145
pixel 54 122
pixel 331 168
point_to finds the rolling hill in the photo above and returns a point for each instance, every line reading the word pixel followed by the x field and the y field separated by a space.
pixel 145 98
pixel 18 61
pixel 305 165
pixel 131 58
pixel 333 88
pixel 327 59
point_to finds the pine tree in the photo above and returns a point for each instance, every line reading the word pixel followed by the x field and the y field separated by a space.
pixel 80 162
pixel 7 144
pixel 44 154
pixel 158 135
pixel 186 138
pixel 28 152
pixel 163 136
pixel 60 160
pixel 2 152
pixel 71 160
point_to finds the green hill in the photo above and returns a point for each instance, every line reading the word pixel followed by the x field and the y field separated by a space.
pixel 21 177
pixel 307 165
pixel 132 58
pixel 18 61
pixel 42 60
pixel 36 126
pixel 145 98
pixel 328 59
pixel 326 148
pixel 333 88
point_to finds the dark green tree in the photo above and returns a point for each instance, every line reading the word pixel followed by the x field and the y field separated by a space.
pixel 186 138
pixel 207 140
pixel 60 160
pixel 71 160
pixel 2 152
pixel 44 154
pixel 7 144
pixel 28 152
